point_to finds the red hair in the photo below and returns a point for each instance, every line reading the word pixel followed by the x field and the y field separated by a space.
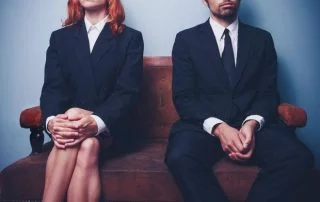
pixel 114 10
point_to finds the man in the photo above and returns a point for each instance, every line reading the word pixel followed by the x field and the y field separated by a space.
pixel 225 91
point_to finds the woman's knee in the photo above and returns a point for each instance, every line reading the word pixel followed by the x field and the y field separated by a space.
pixel 88 152
pixel 90 145
pixel 69 152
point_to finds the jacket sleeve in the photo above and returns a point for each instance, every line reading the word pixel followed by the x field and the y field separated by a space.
pixel 267 99
pixel 127 87
pixel 54 96
pixel 184 87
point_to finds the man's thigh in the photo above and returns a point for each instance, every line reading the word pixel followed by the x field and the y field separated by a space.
pixel 276 144
pixel 195 144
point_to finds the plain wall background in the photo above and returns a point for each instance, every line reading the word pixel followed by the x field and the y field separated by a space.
pixel 26 26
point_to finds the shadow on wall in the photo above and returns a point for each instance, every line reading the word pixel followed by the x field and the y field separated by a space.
pixel 285 80
pixel 296 33
pixel 248 15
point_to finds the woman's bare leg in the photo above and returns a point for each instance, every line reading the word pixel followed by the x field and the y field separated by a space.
pixel 85 182
pixel 59 170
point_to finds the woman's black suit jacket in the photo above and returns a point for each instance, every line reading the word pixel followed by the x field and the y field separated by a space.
pixel 105 81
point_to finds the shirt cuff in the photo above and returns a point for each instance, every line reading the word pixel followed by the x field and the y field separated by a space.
pixel 210 123
pixel 257 118
pixel 47 121
pixel 101 125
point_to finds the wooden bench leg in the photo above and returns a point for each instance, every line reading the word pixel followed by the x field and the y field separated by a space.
pixel 36 140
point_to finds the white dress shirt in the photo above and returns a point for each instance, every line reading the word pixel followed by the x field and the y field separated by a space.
pixel 93 34
pixel 218 31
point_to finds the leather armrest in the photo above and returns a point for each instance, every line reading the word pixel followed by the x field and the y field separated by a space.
pixel 31 118
pixel 292 115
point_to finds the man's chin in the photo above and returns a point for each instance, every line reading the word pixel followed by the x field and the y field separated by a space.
pixel 228 12
pixel 228 15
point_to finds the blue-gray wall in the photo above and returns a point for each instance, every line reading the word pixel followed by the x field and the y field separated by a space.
pixel 26 27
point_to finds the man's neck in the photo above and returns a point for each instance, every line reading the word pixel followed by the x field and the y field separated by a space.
pixel 225 22
pixel 95 16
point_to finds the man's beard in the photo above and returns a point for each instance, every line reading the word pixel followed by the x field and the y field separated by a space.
pixel 227 13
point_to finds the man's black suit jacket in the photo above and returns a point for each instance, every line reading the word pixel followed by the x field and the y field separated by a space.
pixel 201 88
pixel 107 81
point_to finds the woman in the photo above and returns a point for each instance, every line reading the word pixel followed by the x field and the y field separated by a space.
pixel 92 74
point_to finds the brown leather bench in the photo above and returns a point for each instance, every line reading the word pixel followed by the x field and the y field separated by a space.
pixel 140 175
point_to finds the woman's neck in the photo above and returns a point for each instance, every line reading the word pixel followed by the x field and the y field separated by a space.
pixel 95 16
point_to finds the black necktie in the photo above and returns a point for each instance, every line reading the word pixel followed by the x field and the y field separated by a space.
pixel 228 58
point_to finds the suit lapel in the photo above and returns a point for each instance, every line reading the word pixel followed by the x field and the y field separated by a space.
pixel 81 45
pixel 82 51
pixel 102 45
pixel 210 44
pixel 244 50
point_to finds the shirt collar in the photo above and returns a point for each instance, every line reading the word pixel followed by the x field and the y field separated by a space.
pixel 99 26
pixel 218 29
